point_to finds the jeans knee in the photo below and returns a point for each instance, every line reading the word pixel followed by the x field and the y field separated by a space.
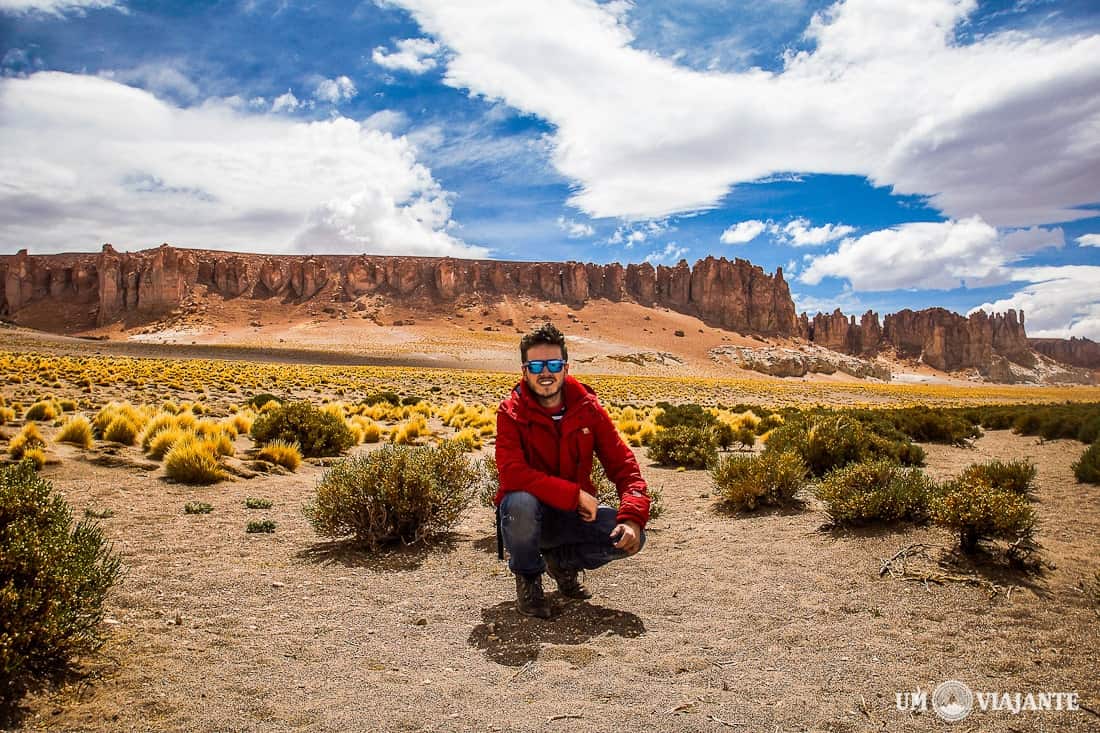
pixel 520 514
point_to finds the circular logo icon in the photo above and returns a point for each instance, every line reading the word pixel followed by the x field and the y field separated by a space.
pixel 952 701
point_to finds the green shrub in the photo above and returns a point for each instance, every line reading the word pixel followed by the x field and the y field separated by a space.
pixel 1087 467
pixel 683 446
pixel 876 490
pixel 53 581
pixel 1017 476
pixel 975 510
pixel 929 425
pixel 197 507
pixel 258 401
pixel 828 441
pixel 379 397
pixel 488 480
pixel 723 435
pixel 319 433
pixel 255 502
pixel 746 482
pixel 260 526
pixel 689 415
pixel 1089 431
pixel 397 493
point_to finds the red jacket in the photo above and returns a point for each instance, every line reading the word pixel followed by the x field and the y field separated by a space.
pixel 532 457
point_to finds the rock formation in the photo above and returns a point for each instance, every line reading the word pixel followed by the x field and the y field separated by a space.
pixel 138 287
pixel 135 286
pixel 1080 352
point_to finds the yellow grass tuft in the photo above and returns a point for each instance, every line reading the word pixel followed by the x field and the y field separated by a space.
pixel 26 439
pixel 163 441
pixel 193 461
pixel 282 453
pixel 77 430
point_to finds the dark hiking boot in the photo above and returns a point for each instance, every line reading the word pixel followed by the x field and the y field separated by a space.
pixel 529 598
pixel 567 580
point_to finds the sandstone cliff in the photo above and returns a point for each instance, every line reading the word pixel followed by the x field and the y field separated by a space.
pixel 136 286
pixel 1080 352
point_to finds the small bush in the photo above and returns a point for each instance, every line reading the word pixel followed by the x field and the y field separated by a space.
pixel 281 453
pixel 53 582
pixel 197 507
pixel 390 398
pixel 26 439
pixel 828 441
pixel 258 401
pixel 43 411
pixel 394 494
pixel 746 482
pixel 255 502
pixel 163 441
pixel 1016 476
pixel 877 490
pixel 77 430
pixel 36 456
pixel 121 430
pixel 488 480
pixel 683 446
pixel 318 433
pixel 1087 467
pixel 687 415
pixel 193 461
pixel 260 526
pixel 975 510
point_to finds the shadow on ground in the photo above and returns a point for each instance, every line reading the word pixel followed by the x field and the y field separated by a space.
pixel 510 638
pixel 352 555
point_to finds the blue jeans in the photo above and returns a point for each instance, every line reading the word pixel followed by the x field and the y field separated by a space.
pixel 532 530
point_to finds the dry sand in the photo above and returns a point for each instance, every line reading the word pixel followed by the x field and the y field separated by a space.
pixel 763 622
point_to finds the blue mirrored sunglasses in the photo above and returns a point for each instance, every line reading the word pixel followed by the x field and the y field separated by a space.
pixel 535 366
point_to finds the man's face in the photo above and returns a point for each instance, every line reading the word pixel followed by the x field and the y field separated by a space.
pixel 545 386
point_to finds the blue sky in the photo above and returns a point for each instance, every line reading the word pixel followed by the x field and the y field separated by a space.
pixel 885 154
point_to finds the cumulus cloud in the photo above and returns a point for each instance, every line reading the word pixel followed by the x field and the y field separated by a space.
pixel 743 232
pixel 575 229
pixel 930 255
pixel 414 55
pixel 162 79
pixel 335 90
pixel 884 91
pixel 800 233
pixel 671 253
pixel 1059 302
pixel 55 7
pixel 1089 240
pixel 285 102
pixel 86 160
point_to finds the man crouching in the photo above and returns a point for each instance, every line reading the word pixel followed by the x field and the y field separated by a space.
pixel 548 430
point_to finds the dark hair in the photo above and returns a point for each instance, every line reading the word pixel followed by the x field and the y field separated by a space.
pixel 547 333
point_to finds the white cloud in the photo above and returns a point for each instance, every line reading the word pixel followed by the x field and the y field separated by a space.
pixel 743 232
pixel 1003 128
pixel 386 120
pixel 414 55
pixel 670 254
pixel 55 7
pixel 162 79
pixel 86 160
pixel 845 300
pixel 930 255
pixel 799 233
pixel 575 229
pixel 335 90
pixel 1059 302
pixel 1089 240
pixel 285 102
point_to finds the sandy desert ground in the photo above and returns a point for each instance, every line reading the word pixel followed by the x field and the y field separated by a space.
pixel 760 622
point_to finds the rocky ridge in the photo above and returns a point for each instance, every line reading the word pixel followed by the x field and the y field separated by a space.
pixel 137 288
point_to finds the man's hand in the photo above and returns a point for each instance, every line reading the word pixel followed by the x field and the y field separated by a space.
pixel 586 506
pixel 630 536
